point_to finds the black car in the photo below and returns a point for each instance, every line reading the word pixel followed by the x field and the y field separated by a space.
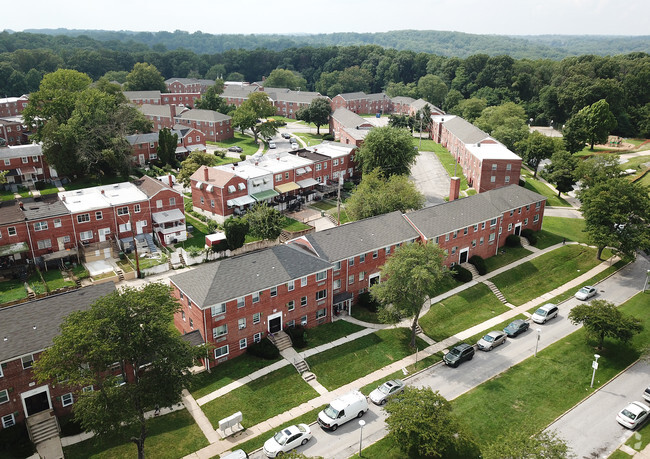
pixel 458 354
pixel 236 149
pixel 286 135
pixel 516 327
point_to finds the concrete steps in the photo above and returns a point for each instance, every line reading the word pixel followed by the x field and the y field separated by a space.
pixel 496 291
pixel 120 274
pixel 471 268
pixel 302 367
pixel 42 426
pixel 281 340
pixel 308 376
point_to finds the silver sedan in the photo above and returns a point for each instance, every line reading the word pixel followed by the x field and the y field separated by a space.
pixel 491 340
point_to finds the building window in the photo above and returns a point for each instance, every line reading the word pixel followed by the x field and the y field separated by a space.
pixel 321 313
pixel 83 218
pixel 446 237
pixel 241 302
pixel 493 179
pixel 211 202
pixel 321 295
pixel 25 159
pixel 257 337
pixel 67 399
pixel 321 276
pixel 475 228
pixel 291 285
pixel 465 231
pixel 375 254
pixel 159 204
pixel 45 244
pixel 218 309
pixel 512 211
pixel 191 324
pixel 28 361
pixel 4 396
pixel 455 234
pixel 122 211
pixel 256 297
pixel 362 275
pixel 98 215
pixel 274 291
pixel 492 236
pixel 303 281
pixel 202 200
pixel 493 222
pixel 536 218
pixel 57 223
pixel 437 239
pixel 291 305
pixel 351 261
pixel 508 167
pixel 337 284
pixel 221 330
pixel 8 420
pixel 494 167
pixel 388 250
pixel 525 222
pixel 507 179
pixel 286 176
pixel 537 205
pixel 483 225
pixel 136 208
pixel 241 323
pixel 303 321
pixel 257 317
pixel 351 279
pixel 221 351
pixel 85 235
pixel 40 226
pixel 474 243
pixel 278 177
pixel 242 343
pixel 183 315
pixel 453 250
pixel 481 241
pixel 509 226
pixel 290 324
pixel 172 201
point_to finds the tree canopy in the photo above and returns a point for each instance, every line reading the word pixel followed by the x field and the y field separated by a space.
pixel 591 125
pixel 145 77
pixel 376 195
pixel 388 149
pixel 192 163
pixel 252 114
pixel 318 112
pixel 602 319
pixel 212 100
pixel 282 78
pixel 236 229
pixel 562 171
pixel 167 143
pixel 536 147
pixel 126 349
pixel 520 445
pixel 408 279
pixel 265 221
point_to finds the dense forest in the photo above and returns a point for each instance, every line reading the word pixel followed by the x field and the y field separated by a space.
pixel 451 44
pixel 547 90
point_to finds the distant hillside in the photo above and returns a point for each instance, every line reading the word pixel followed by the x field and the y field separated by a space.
pixel 450 44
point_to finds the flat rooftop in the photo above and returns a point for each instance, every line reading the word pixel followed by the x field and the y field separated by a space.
pixel 103 196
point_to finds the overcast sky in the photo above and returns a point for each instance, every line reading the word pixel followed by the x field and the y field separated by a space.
pixel 502 17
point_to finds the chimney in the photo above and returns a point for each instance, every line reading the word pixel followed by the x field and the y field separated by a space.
pixel 206 174
pixel 454 189
pixel 171 183
pixel 63 198
pixel 478 144
pixel 278 158
pixel 21 205
pixel 103 192
pixel 172 112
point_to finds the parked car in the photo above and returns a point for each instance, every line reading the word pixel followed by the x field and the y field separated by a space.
pixel 294 144
pixel 237 454
pixel 236 149
pixel 585 292
pixel 272 145
pixel 381 395
pixel 458 354
pixel 345 408
pixel 646 394
pixel 516 327
pixel 287 439
pixel 286 135
pixel 545 313
pixel 633 415
pixel 491 340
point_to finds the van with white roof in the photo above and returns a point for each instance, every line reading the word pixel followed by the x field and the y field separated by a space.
pixel 345 408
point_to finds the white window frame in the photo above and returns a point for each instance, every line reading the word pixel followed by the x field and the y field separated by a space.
pixel 321 276
pixel 219 331
pixel 257 337
pixel 241 302
pixel 44 244
pixel 122 211
pixel 241 323
pixel 217 309
pixel 8 420
pixel 243 343
pixel 221 352
pixel 30 362
pixel 4 398
pixel 303 301
pixel 319 293
pixel 336 284
pixel 291 305
pixel 40 226
pixel 321 313
pixel 136 208
pixel 291 285
pixel 11 231
pixel 273 291
pixel 57 223
pixel 303 281
pixel 67 399
pixel 86 235
pixel 255 296
pixel 83 218
pixel 257 318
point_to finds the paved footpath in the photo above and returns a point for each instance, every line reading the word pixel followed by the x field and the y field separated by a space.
pixel 231 442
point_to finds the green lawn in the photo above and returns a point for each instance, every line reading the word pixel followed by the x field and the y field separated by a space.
pixel 196 239
pixel 145 262
pixel 555 229
pixel 6 195
pixel 51 189
pixel 36 283
pixel 12 290
pixel 80 272
pixel 262 398
pixel 323 205
pixel 426 362
pixel 541 188
pixel 363 314
pixel 227 372
pixel 460 312
pixel 54 279
pixel 86 182
pixel 291 224
pixel 311 139
pixel 641 439
pixel 246 142
pixel 446 159
pixel 544 273
pixel 509 399
pixel 361 357
pixel 171 436
pixel 329 332
pixel 506 257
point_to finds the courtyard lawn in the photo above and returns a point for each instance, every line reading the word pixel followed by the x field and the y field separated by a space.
pixel 196 239
pixel 36 283
pixel 6 195
pixel 51 189
pixel 506 257
pixel 146 262
pixel 460 312
pixel 262 398
pixel 205 383
pixel 539 187
pixel 247 143
pixel 54 280
pixel 555 229
pixel 329 332
pixel 80 272
pixel 361 356
pixel 171 436
pixel 309 138
pixel 12 290
pixel 364 315
pixel 544 273
pixel 292 225
pixel 323 205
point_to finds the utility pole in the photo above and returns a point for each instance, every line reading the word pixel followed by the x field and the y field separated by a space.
pixel 135 248
pixel 338 203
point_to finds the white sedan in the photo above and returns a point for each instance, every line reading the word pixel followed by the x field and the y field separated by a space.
pixel 287 439
pixel 381 395
pixel 585 292
pixel 633 415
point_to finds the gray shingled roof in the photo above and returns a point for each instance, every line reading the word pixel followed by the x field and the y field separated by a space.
pixel 18 336
pixel 402 100
pixel 465 131
pixel 202 115
pixel 236 92
pixel 194 338
pixel 190 81
pixel 362 236
pixel 353 95
pixel 377 96
pixel 239 276
pixel 131 95
pixel 348 118
pixel 10 213
pixel 450 216
pixel 137 139
pixel 155 110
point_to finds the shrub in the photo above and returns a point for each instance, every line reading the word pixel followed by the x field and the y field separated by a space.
pixel 530 235
pixel 212 226
pixel 265 349
pixel 479 264
pixel 297 335
pixel 69 426
pixel 461 274
pixel 328 137
pixel 367 301
pixel 40 185
pixel 513 240
pixel 242 157
pixel 15 443
pixel 189 207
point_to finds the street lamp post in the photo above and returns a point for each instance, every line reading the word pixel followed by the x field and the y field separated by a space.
pixel 539 334
pixel 361 424
pixel 421 119
pixel 594 365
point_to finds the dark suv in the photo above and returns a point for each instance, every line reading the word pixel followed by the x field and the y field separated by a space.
pixel 458 354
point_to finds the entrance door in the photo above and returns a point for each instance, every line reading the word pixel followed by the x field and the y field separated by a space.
pixel 373 279
pixel 103 232
pixel 463 256
pixel 141 160
pixel 139 226
pixel 37 400
pixel 275 323
pixel 61 242
pixel 517 229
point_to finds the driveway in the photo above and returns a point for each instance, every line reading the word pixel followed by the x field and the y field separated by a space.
pixel 430 178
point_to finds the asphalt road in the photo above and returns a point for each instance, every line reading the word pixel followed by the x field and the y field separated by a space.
pixel 430 178
pixel 453 382
pixel 590 429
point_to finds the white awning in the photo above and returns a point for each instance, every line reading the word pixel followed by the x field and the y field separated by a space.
pixel 241 185
pixel 257 182
pixel 307 183
pixel 308 169
pixel 209 188
pixel 199 185
pixel 240 201
pixel 167 216
pixel 231 189
pixel 301 171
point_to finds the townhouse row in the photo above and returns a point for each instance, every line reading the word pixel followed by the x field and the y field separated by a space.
pixel 238 301
pixel 214 126
pixel 54 227
pixel 279 179
pixel 362 103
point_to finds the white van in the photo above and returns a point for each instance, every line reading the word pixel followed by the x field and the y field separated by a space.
pixel 238 454
pixel 345 408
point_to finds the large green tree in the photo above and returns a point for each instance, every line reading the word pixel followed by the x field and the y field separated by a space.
pixel 432 89
pixel 376 195
pixel 562 171
pixel 597 169
pixel 192 163
pixel 282 78
pixel 265 221
pixel 591 125
pixel 129 332
pixel 389 149
pixel 422 424
pixel 320 110
pixel 252 114
pixel 617 215
pixel 536 147
pixel 145 77
pixel 409 278
pixel 602 319
pixel 506 123
pixel 167 143
pixel 236 229
pixel 520 445
pixel 211 99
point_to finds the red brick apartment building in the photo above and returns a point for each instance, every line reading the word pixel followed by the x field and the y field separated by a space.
pixel 349 128
pixel 144 147
pixel 12 106
pixel 27 330
pixel 12 131
pixel 214 125
pixel 362 103
pixel 25 164
pixel 188 85
pixel 485 162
